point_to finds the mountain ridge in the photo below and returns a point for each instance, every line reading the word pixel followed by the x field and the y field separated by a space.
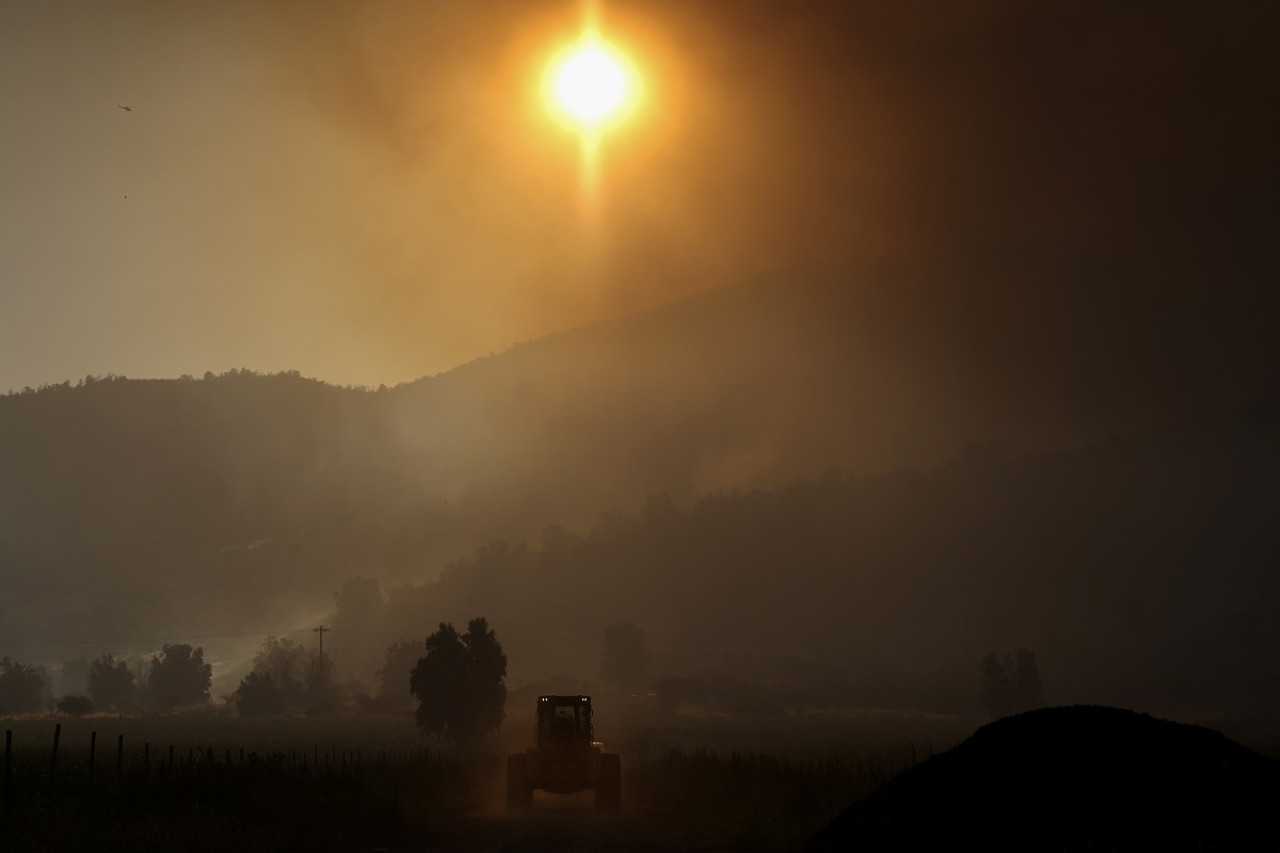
pixel 122 491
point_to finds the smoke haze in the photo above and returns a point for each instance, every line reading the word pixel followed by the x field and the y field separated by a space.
pixel 375 193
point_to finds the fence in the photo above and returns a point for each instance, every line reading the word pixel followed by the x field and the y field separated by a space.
pixel 328 792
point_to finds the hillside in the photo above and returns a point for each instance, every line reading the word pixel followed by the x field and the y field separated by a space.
pixel 1140 571
pixel 896 363
pixel 134 508
pixel 160 508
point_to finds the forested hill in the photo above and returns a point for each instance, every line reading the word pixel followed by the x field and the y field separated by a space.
pixel 1140 572
pixel 143 508
pixel 152 508
pixel 898 362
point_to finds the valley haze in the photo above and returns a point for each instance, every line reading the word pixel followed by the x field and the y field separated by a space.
pixel 793 481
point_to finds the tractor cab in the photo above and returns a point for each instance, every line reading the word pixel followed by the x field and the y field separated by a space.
pixel 564 721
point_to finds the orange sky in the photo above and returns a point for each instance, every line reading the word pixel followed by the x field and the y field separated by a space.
pixel 374 192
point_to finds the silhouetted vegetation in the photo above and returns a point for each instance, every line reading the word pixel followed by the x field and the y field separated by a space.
pixel 1011 685
pixel 111 684
pixel 286 677
pixel 625 662
pixel 179 676
pixel 394 692
pixel 75 706
pixel 258 695
pixel 459 684
pixel 21 688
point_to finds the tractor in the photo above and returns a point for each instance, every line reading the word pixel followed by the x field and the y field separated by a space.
pixel 566 760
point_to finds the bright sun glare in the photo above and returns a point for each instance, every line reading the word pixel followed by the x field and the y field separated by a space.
pixel 591 83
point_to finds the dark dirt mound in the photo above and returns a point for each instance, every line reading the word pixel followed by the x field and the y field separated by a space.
pixel 1075 778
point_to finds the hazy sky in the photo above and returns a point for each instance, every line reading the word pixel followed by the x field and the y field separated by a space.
pixel 371 192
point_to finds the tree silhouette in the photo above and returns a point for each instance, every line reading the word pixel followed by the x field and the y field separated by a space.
pixel 179 676
pixel 322 692
pixel 286 665
pixel 360 620
pixel 111 684
pixel 460 684
pixel 1010 685
pixel 1026 682
pixel 359 602
pixel 625 660
pixel 73 676
pixel 995 686
pixel 258 695
pixel 75 706
pixel 393 678
pixel 21 688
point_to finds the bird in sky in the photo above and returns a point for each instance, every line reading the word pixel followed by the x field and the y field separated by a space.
pixel 126 109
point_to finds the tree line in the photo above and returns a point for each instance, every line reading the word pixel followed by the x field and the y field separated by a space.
pixel 457 680
pixel 178 675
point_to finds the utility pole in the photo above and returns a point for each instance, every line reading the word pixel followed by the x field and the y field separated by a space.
pixel 317 678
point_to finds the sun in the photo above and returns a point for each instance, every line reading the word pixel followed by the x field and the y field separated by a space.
pixel 591 83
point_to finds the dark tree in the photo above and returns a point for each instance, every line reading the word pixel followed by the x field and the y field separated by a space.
pixel 359 622
pixel 180 676
pixel 460 684
pixel 21 688
pixel 393 678
pixel 288 666
pixel 359 602
pixel 111 684
pixel 1011 685
pixel 76 706
pixel 625 661
pixel 258 695
pixel 1026 682
pixel 996 686
pixel 73 676
pixel 323 692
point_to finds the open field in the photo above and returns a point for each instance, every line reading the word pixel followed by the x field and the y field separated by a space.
pixel 206 781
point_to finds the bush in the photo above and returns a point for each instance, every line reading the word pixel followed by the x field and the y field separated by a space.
pixel 76 706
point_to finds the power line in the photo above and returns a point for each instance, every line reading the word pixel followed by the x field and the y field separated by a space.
pixel 119 641
pixel 128 640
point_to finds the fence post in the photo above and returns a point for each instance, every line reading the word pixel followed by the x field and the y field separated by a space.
pixel 93 751
pixel 120 758
pixel 8 766
pixel 53 761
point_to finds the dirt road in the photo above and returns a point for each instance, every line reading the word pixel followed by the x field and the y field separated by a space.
pixel 566 824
